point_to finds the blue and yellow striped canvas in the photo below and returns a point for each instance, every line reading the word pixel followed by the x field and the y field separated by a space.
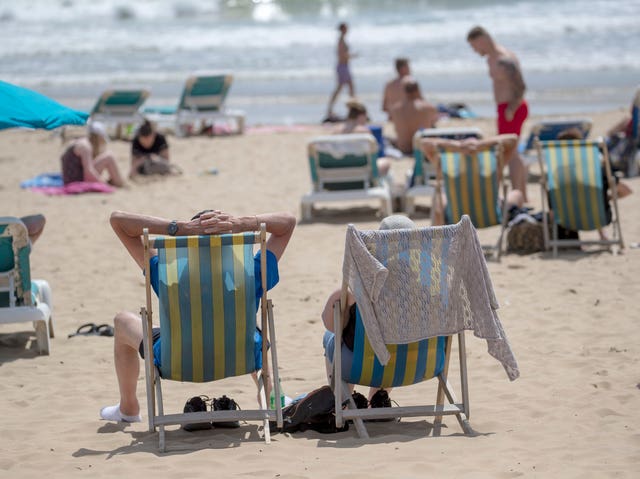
pixel 207 306
pixel 409 364
pixel 575 183
pixel 471 187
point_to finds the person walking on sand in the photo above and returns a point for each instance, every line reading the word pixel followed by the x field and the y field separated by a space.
pixel 342 70
pixel 508 92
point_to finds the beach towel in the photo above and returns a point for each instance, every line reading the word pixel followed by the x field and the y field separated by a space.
pixel 45 179
pixel 51 184
pixel 403 282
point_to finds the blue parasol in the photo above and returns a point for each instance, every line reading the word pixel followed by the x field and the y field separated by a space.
pixel 20 107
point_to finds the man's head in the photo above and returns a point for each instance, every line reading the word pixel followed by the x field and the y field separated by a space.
pixel 402 67
pixel 411 87
pixel 343 27
pixel 480 40
pixel 396 222
pixel 357 111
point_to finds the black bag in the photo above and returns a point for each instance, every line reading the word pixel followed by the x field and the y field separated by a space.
pixel 315 411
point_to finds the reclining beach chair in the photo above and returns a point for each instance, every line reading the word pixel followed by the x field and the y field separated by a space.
pixel 575 180
pixel 22 299
pixel 548 130
pixel 472 185
pixel 343 168
pixel 119 107
pixel 202 100
pixel 415 290
pixel 422 178
pixel 208 321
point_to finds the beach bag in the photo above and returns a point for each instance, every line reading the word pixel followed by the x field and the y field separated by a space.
pixel 315 412
pixel 525 238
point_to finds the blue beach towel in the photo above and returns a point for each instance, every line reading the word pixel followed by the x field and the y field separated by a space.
pixel 43 180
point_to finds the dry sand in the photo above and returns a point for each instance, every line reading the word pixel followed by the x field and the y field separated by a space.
pixel 572 323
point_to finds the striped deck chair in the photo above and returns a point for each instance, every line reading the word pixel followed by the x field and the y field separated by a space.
pixel 208 321
pixel 21 298
pixel 421 180
pixel 343 168
pixel 574 188
pixel 409 364
pixel 119 107
pixel 472 185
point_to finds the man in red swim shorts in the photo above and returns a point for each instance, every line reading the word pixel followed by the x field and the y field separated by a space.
pixel 508 92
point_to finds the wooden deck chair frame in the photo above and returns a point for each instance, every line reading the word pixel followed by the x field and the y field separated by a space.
pixel 23 306
pixel 553 242
pixel 498 147
pixel 438 410
pixel 373 187
pixel 157 418
pixel 120 113
pixel 423 174
pixel 206 107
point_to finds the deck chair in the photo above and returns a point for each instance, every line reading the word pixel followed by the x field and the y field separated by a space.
pixel 119 107
pixel 208 320
pixel 343 168
pixel 22 299
pixel 421 179
pixel 416 263
pixel 472 184
pixel 574 190
pixel 203 99
pixel 547 130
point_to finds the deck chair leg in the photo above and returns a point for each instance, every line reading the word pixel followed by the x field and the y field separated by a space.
pixel 409 205
pixel 42 336
pixel 161 436
pixel 274 364
pixel 306 210
pixel 264 407
pixel 357 422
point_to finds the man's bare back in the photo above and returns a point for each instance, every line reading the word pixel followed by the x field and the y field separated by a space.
pixel 410 116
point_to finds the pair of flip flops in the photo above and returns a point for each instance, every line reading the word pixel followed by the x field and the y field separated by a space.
pixel 92 329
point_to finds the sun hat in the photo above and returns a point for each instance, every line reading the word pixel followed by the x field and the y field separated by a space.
pixel 396 222
pixel 97 128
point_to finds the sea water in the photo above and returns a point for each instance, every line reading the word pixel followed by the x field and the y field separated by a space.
pixel 577 56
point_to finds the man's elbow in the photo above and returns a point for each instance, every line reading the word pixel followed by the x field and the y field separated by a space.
pixel 116 219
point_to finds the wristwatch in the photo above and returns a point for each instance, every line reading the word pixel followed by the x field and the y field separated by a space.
pixel 172 229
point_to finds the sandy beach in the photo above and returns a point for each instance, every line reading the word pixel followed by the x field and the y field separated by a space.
pixel 572 323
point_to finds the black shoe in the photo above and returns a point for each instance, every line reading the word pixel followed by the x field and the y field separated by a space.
pixel 196 404
pixel 225 404
pixel 381 399
pixel 360 400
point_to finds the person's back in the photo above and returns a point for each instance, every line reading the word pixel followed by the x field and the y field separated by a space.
pixel 410 115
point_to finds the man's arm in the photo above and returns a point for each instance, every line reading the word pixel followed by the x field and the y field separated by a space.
pixel 280 227
pixel 129 226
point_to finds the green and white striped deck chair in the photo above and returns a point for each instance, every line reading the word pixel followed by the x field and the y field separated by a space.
pixel 343 168
pixel 574 190
pixel 119 107
pixel 22 299
pixel 421 179
pixel 202 99
pixel 410 363
pixel 207 308
pixel 472 185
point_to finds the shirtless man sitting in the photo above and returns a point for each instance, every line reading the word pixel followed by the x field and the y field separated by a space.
pixel 393 90
pixel 508 92
pixel 411 114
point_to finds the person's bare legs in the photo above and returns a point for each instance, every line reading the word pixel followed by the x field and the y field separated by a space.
pixel 518 173
pixel 127 339
pixel 35 226
pixel 106 161
pixel 352 90
pixel 333 98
